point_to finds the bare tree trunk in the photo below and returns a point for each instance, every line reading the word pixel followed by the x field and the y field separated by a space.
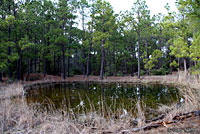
pixel 160 48
pixel 110 62
pixel 31 66
pixel 44 53
pixel 35 65
pixel 83 64
pixel 69 48
pixel 178 68
pixel 102 50
pixel 35 52
pixel 64 65
pixel 146 46
pixel 125 66
pixel 9 48
pixel 88 59
pixel 39 67
pixel 44 65
pixel 44 62
pixel 28 67
pixel 196 75
pixel 19 68
pixel 1 80
pixel 185 68
pixel 138 55
pixel 138 32
pixel 83 39
pixel 68 63
pixel 102 59
pixel 132 67
pixel 59 64
pixel 54 64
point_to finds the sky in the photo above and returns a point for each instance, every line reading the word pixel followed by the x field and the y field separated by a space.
pixel 155 6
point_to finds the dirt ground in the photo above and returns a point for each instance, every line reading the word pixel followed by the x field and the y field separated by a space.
pixel 38 78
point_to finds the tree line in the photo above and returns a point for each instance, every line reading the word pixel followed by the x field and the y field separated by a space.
pixel 73 37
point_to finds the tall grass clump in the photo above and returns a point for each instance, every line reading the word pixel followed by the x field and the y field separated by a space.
pixel 17 116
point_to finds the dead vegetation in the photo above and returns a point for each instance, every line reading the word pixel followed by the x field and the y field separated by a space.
pixel 19 118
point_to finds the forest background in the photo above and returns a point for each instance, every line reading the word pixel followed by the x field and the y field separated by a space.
pixel 43 36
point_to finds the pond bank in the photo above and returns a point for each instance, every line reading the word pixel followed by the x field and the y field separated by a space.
pixel 165 80
pixel 50 79
pixel 18 117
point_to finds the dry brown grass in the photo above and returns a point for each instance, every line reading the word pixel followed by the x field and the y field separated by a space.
pixel 191 102
pixel 11 91
pixel 19 118
pixel 16 117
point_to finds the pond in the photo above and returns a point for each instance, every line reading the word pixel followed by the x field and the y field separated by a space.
pixel 102 98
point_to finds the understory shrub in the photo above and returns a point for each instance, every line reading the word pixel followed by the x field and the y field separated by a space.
pixel 160 71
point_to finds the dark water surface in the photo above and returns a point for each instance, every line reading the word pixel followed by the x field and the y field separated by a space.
pixel 112 97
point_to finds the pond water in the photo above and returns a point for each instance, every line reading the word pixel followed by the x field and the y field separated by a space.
pixel 102 98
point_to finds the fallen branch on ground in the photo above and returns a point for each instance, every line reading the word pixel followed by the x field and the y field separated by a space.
pixel 175 119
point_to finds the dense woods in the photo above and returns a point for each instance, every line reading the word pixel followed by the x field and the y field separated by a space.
pixel 82 37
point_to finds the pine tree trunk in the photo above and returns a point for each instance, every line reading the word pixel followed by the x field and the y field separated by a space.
pixel 9 48
pixel 102 60
pixel 58 67
pixel 54 64
pixel 44 66
pixel 132 57
pixel 125 66
pixel 185 68
pixel 178 68
pixel 44 53
pixel 1 80
pixel 48 62
pixel 195 66
pixel 18 77
pixel 138 32
pixel 83 64
pixel 102 50
pixel 28 67
pixel 19 68
pixel 160 48
pixel 64 65
pixel 69 53
pixel 9 63
pixel 39 70
pixel 31 66
pixel 88 59
pixel 83 39
pixel 35 53
pixel 138 55
pixel 132 67
pixel 68 63
pixel 146 56
pixel 110 62
pixel 35 65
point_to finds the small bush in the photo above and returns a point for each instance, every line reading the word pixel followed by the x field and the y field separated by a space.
pixel 142 72
pixel 119 73
pixel 107 74
pixel 160 71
